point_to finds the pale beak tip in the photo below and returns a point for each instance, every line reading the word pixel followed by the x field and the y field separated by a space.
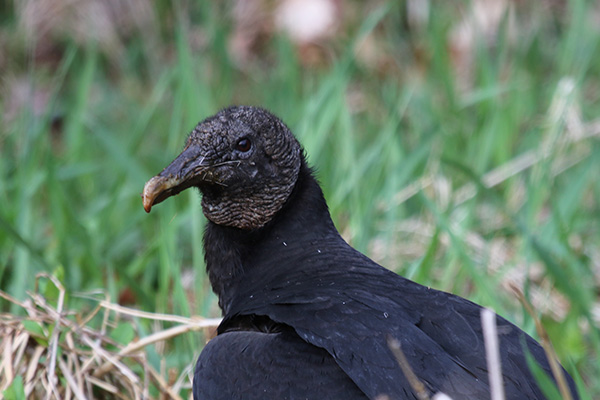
pixel 151 190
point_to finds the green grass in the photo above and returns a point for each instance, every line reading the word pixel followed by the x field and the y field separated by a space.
pixel 70 177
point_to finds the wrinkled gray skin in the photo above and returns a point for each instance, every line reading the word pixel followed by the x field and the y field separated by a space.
pixel 241 189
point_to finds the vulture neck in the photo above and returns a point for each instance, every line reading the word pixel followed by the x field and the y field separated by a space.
pixel 241 262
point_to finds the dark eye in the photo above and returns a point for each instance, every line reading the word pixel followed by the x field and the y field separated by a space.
pixel 243 145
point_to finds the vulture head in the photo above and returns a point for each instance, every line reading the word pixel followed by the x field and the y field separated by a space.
pixel 244 160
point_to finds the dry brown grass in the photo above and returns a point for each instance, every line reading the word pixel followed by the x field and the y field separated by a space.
pixel 58 354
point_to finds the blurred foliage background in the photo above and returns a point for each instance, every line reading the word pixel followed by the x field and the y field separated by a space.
pixel 457 144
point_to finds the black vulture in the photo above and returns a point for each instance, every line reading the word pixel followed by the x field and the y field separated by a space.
pixel 306 316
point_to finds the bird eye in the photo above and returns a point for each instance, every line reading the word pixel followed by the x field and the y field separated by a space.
pixel 243 145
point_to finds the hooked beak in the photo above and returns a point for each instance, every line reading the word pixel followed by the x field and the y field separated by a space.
pixel 187 170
